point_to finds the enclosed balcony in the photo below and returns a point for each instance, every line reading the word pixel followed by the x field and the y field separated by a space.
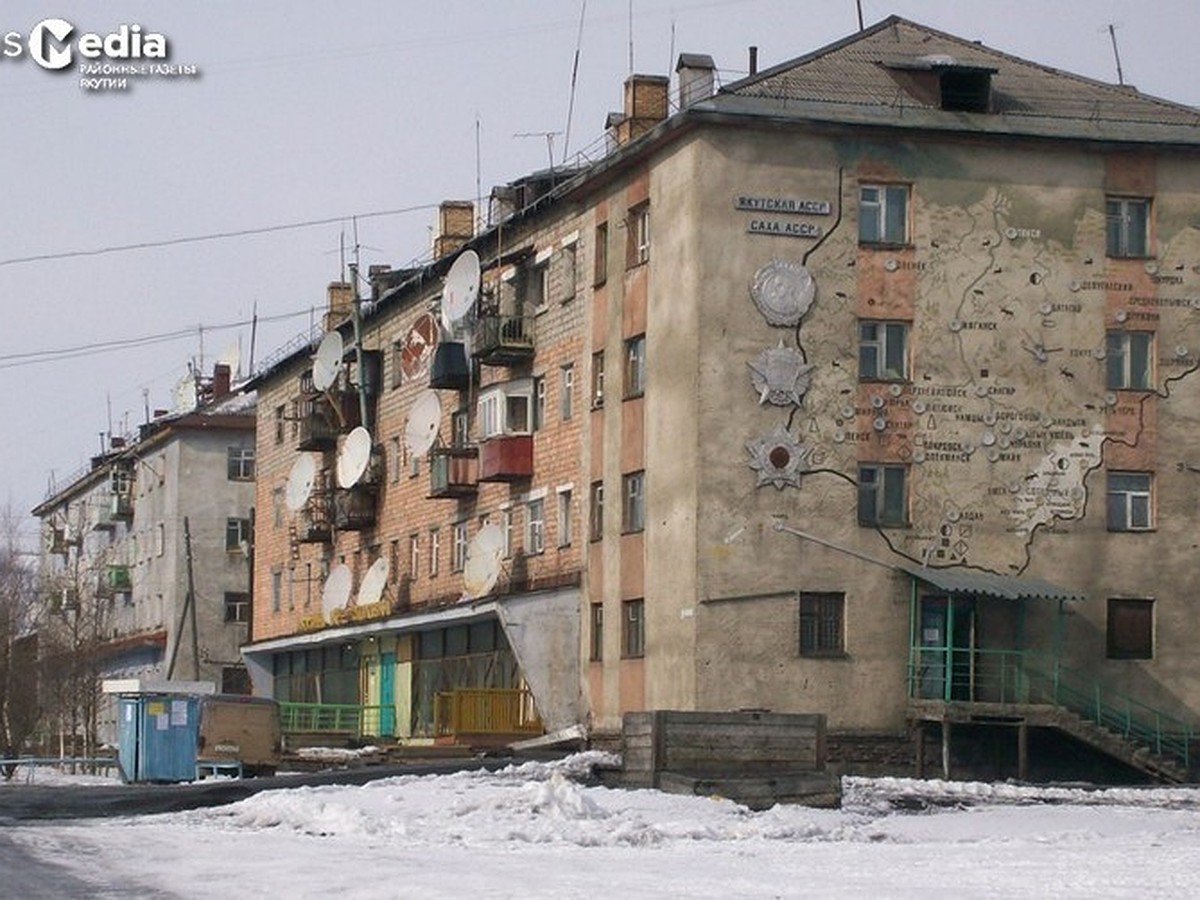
pixel 450 370
pixel 453 472
pixel 122 506
pixel 313 525
pixel 506 458
pixel 502 340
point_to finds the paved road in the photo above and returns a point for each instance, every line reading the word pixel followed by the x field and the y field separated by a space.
pixel 25 802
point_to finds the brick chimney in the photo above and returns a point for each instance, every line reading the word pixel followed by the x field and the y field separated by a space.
pixel 645 107
pixel 222 381
pixel 695 71
pixel 341 302
pixel 456 226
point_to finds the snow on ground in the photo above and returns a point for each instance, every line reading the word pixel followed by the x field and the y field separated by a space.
pixel 534 831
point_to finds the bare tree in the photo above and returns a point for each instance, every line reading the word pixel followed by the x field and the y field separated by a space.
pixel 20 710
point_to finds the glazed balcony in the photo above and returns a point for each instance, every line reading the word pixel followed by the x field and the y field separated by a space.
pixel 506 458
pixel 453 472
pixel 504 340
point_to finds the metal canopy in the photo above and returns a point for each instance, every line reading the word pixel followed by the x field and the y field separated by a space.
pixel 987 584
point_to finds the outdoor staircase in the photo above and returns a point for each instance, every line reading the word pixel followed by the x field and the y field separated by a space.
pixel 1142 737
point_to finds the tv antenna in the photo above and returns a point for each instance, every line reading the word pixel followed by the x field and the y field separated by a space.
pixel 574 80
pixel 548 135
pixel 1112 36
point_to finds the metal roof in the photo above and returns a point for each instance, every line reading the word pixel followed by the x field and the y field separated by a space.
pixel 988 584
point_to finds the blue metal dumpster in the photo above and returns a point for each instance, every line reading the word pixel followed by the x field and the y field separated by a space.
pixel 157 736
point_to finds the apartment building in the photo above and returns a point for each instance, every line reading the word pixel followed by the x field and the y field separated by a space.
pixel 858 386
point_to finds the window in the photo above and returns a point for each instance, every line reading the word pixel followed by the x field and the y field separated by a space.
pixel 397 363
pixel 633 506
pixel 1129 501
pixel 638 244
pixel 1128 355
pixel 241 464
pixel 1130 629
pixel 633 629
pixel 566 396
pixel 882 496
pixel 569 272
pixel 237 607
pixel 596 633
pixel 506 408
pixel 596 511
pixel 395 458
pixel 279 425
pixel 460 428
pixel 276 589
pixel 237 535
pixel 506 529
pixel 535 527
pixel 597 379
pixel 635 366
pixel 564 518
pixel 1128 226
pixel 537 290
pixel 235 680
pixel 414 556
pixel 160 539
pixel 458 550
pixel 277 504
pixel 600 255
pixel 821 624
pixel 539 402
pixel 883 213
pixel 435 540
pixel 882 351
pixel 393 560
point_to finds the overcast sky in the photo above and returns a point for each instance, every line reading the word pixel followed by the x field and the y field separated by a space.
pixel 324 112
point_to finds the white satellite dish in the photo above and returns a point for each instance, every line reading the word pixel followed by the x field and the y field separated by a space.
pixel 482 567
pixel 328 361
pixel 336 591
pixel 371 588
pixel 300 482
pixel 424 419
pixel 461 288
pixel 353 456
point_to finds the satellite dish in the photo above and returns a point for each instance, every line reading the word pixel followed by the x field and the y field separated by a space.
pixel 300 482
pixel 461 289
pixel 353 456
pixel 424 419
pixel 328 361
pixel 482 567
pixel 373 582
pixel 336 591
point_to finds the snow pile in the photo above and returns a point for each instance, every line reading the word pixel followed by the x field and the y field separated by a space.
pixel 336 755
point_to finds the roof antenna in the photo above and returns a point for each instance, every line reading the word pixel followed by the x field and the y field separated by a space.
pixel 630 37
pixel 858 4
pixel 574 80
pixel 1112 35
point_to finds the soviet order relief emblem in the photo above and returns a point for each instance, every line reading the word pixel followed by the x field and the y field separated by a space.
pixel 780 376
pixel 783 292
pixel 778 458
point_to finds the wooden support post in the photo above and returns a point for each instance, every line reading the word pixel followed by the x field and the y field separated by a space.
pixel 946 749
pixel 1023 751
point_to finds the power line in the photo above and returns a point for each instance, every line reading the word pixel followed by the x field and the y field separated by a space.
pixel 33 357
pixel 213 236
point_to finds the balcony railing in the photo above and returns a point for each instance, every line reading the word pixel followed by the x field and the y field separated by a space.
pixel 485 711
pixel 354 509
pixel 453 472
pixel 332 718
pixel 504 340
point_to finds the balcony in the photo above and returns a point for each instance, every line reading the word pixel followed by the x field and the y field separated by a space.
pixel 354 510
pixel 313 525
pixel 453 472
pixel 450 369
pixel 318 425
pixel 504 340
pixel 122 506
pixel 506 458
pixel 58 543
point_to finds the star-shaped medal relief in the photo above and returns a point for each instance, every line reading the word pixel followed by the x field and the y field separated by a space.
pixel 778 459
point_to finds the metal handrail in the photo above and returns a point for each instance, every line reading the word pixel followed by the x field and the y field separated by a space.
pixel 331 718
pixel 1017 676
